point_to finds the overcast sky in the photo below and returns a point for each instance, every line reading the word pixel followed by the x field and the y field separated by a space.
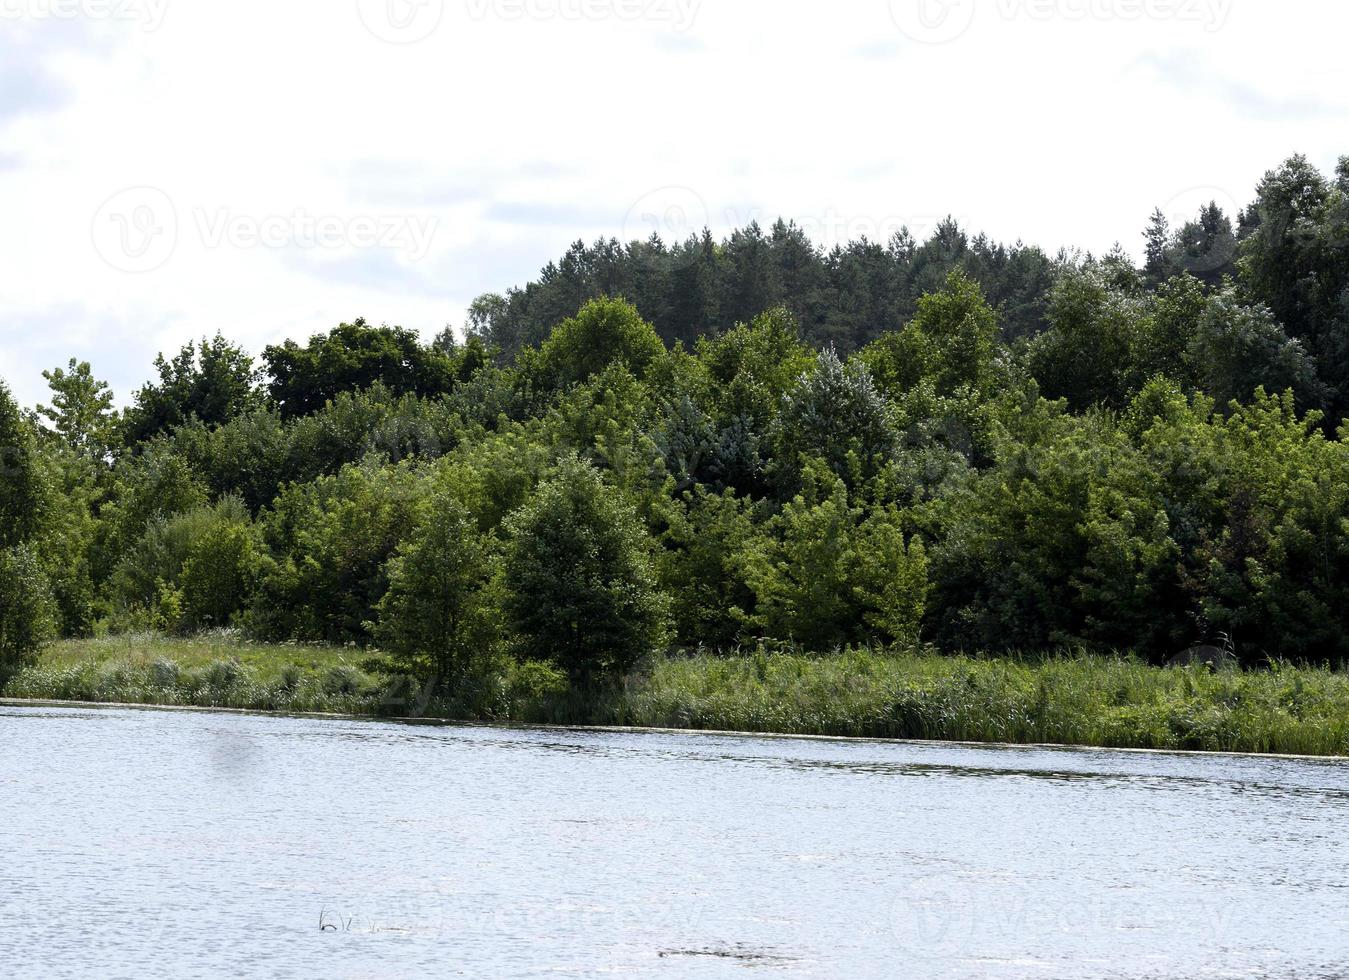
pixel 269 168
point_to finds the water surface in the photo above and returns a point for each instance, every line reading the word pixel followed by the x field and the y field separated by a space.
pixel 137 843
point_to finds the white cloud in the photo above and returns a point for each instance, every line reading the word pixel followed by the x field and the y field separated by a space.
pixel 513 127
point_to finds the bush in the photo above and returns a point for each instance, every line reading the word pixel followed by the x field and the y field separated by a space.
pixel 580 590
pixel 219 575
pixel 438 613
pixel 344 679
pixel 223 675
pixel 191 571
pixel 27 613
pixel 164 672
pixel 333 539
pixel 22 489
pixel 290 677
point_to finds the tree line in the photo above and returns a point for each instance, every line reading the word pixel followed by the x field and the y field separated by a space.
pixel 956 444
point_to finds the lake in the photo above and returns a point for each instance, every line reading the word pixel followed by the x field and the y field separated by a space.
pixel 138 843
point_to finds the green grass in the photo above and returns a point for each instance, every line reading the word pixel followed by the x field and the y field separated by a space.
pixel 1071 700
pixel 215 670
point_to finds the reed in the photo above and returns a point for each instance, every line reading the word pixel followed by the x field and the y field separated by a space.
pixel 1068 698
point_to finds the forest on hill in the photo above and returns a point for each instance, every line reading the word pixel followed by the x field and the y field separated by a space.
pixel 707 444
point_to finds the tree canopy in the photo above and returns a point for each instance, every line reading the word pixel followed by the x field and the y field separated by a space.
pixel 748 442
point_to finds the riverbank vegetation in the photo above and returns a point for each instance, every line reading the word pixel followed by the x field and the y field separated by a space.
pixel 1071 699
pixel 943 447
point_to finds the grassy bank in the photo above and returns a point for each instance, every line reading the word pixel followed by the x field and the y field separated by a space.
pixel 1080 700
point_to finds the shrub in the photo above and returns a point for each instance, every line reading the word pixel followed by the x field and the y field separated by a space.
pixel 219 575
pixel 22 489
pixel 344 679
pixel 223 675
pixel 580 590
pixel 290 677
pixel 27 613
pixel 193 570
pixel 333 539
pixel 164 673
pixel 438 613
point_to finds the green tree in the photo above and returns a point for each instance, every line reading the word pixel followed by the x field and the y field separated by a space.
pixel 1238 348
pixel 355 356
pixel 65 543
pixel 1065 541
pixel 439 613
pixel 747 371
pixel 891 577
pixel 603 332
pixel 332 540
pixel 214 383
pixel 209 557
pixel 1295 260
pixel 580 588
pixel 158 483
pixel 1162 346
pixel 1158 265
pixel 1086 354
pixel 81 411
pixel 800 568
pixel 22 488
pixel 701 567
pixel 960 331
pixel 487 319
pixel 220 574
pixel 751 367
pixel 835 413
pixel 1258 503
pixel 27 613
pixel 1205 247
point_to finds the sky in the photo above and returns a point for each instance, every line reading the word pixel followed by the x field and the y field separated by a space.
pixel 170 169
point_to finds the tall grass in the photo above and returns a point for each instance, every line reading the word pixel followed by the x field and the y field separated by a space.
pixel 1076 700
pixel 1071 699
pixel 214 670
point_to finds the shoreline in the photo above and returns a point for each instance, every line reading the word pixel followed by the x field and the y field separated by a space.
pixel 1065 701
pixel 436 722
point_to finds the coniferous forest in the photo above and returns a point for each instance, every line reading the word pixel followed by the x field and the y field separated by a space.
pixel 708 445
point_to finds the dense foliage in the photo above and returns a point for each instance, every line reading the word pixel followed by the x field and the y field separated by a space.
pixel 25 591
pixel 709 444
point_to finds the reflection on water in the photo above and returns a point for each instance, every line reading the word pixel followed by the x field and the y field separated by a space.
pixel 147 842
